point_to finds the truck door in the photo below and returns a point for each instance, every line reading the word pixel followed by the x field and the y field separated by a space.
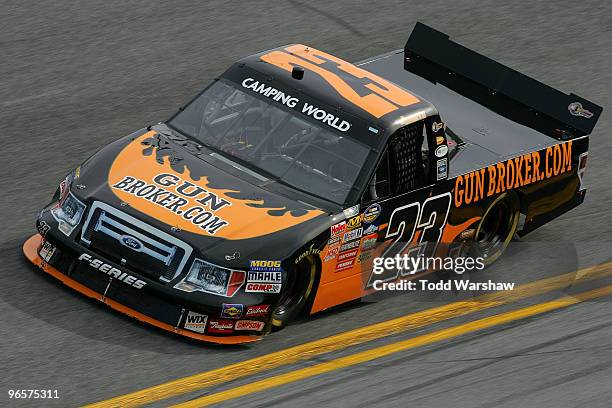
pixel 411 215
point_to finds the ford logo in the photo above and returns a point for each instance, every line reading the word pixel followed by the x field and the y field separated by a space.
pixel 131 242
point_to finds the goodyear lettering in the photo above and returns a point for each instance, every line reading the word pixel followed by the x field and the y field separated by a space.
pixel 517 172
pixel 308 252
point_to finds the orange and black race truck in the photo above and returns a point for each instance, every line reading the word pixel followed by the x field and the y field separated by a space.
pixel 274 190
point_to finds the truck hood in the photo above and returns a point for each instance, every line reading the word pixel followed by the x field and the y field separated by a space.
pixel 159 181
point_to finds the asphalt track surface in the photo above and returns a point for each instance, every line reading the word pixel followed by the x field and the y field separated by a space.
pixel 77 75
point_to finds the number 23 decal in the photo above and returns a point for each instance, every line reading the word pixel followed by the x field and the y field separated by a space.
pixel 427 219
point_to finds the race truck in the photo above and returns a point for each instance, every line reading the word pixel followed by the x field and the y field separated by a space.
pixel 274 190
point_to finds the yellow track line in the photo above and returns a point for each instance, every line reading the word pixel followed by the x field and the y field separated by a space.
pixel 392 348
pixel 343 340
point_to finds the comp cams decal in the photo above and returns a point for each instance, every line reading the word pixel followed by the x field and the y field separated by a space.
pixel 112 271
pixel 263 287
pixel 514 173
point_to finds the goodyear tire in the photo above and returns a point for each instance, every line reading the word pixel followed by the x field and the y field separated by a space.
pixel 497 227
pixel 297 293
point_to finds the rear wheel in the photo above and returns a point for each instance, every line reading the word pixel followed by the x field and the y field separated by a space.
pixel 497 227
pixel 298 291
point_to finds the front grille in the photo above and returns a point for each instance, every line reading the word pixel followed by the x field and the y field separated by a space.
pixel 128 241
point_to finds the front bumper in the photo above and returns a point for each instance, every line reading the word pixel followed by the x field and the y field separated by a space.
pixel 122 298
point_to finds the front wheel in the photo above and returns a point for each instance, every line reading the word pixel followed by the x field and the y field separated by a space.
pixel 497 227
pixel 296 294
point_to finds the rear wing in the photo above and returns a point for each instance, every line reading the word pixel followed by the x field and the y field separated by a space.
pixel 433 56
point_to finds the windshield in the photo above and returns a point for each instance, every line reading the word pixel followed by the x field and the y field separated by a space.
pixel 282 143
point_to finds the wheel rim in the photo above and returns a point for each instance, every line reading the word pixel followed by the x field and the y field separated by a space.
pixel 496 228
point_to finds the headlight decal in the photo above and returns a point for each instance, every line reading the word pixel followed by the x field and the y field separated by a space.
pixel 209 278
pixel 68 213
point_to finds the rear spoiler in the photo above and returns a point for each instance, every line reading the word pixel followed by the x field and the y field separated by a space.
pixel 433 56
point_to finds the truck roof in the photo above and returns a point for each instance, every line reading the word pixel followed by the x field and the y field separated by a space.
pixel 343 86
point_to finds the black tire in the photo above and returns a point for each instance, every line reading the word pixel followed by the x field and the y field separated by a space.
pixel 497 227
pixel 297 293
